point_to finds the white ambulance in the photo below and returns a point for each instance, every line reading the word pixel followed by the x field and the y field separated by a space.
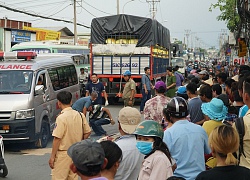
pixel 29 84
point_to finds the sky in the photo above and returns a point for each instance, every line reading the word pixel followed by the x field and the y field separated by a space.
pixel 176 15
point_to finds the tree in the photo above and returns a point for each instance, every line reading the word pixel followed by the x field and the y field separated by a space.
pixel 229 13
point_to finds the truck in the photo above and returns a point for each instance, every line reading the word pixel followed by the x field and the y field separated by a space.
pixel 126 42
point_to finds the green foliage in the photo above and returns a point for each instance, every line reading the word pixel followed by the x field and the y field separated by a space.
pixel 228 14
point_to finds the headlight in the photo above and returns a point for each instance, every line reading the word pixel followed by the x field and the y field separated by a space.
pixel 24 114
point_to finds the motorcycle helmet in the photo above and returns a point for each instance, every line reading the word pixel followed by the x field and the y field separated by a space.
pixel 149 128
pixel 177 107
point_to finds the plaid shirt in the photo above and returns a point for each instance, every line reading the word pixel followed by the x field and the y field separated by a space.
pixel 154 107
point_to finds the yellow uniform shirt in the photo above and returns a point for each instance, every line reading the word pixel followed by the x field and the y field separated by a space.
pixel 70 127
pixel 128 88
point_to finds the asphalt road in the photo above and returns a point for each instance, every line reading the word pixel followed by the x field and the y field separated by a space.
pixel 25 163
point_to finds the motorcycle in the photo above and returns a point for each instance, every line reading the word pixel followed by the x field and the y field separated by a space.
pixel 3 167
pixel 82 88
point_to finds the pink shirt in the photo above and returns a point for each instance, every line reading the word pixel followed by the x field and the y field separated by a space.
pixel 154 107
pixel 156 167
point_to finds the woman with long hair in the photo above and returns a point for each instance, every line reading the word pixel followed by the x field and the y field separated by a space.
pixel 224 141
pixel 157 162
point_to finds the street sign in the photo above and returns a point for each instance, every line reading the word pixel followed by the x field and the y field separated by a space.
pixel 242 48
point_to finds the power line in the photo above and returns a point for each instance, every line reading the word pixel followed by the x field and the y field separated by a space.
pixel 30 4
pixel 142 1
pixel 37 15
pixel 96 8
pixel 20 2
pixel 44 4
pixel 53 9
pixel 86 10
pixel 59 10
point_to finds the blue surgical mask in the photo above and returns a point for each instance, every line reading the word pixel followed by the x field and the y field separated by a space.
pixel 144 147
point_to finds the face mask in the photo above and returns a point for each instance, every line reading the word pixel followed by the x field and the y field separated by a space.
pixel 144 147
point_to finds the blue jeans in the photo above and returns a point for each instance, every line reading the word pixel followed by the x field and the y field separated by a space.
pixel 96 125
pixel 144 99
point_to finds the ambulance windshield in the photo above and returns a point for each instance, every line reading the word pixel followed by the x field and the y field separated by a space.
pixel 15 81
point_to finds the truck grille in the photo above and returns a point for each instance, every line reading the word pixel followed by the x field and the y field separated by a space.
pixel 5 115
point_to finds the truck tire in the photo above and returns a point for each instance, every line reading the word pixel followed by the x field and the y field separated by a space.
pixel 44 136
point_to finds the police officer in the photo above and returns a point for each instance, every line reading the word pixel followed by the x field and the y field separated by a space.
pixel 129 90
pixel 70 127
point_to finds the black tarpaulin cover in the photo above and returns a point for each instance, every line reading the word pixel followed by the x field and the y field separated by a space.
pixel 149 31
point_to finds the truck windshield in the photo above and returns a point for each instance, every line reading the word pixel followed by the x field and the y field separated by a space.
pixel 15 82
pixel 177 62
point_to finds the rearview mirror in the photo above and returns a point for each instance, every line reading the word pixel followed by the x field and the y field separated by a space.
pixel 39 90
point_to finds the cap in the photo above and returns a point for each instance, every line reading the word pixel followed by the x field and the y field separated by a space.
pixel 86 153
pixel 129 118
pixel 236 78
pixel 127 73
pixel 203 72
pixel 159 84
pixel 209 81
pixel 182 90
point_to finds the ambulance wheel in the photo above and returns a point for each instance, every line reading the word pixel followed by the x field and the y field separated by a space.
pixel 44 136
pixel 4 171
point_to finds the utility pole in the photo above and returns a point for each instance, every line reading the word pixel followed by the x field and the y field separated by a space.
pixel 75 27
pixel 153 11
pixel 193 40
pixel 187 33
pixel 153 8
pixel 118 6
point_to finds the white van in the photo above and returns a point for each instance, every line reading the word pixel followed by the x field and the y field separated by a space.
pixel 28 88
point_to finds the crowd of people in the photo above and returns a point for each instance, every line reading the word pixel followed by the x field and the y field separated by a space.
pixel 189 131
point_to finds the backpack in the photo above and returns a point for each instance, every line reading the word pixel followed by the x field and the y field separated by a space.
pixel 239 124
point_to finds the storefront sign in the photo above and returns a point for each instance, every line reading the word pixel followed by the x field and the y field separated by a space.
pixel 20 36
pixel 239 60
pixel 43 34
